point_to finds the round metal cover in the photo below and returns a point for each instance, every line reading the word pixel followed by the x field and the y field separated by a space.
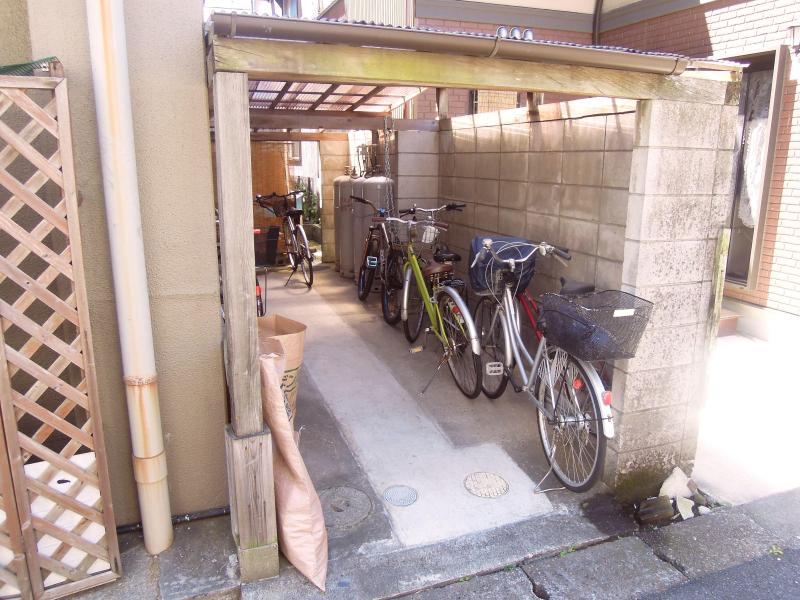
pixel 344 507
pixel 400 495
pixel 485 485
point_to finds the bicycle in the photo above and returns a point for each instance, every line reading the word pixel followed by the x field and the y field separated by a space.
pixel 450 319
pixel 384 255
pixel 298 251
pixel 573 406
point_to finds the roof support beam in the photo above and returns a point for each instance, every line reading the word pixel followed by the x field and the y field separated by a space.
pixel 329 63
pixel 297 136
pixel 324 119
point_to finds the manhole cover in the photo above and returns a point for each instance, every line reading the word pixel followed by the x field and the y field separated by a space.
pixel 485 485
pixel 344 507
pixel 400 495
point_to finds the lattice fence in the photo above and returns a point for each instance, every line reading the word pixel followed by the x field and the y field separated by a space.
pixel 57 532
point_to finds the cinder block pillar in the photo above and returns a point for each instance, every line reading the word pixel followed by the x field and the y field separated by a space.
pixel 334 157
pixel 680 192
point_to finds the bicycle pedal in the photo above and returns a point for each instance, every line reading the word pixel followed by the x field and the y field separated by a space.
pixel 416 349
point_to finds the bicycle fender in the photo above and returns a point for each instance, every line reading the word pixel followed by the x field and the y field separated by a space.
pixel 462 306
pixel 605 410
pixel 408 279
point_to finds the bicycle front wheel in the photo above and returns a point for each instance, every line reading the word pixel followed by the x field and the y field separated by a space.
pixel 291 245
pixel 307 268
pixel 303 248
pixel 496 365
pixel 465 365
pixel 572 438
pixel 366 275
pixel 415 309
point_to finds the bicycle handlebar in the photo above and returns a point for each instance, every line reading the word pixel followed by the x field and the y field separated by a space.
pixel 542 248
pixel 433 211
pixel 437 224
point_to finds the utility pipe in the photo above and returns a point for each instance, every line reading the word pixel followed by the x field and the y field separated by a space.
pixel 468 44
pixel 120 184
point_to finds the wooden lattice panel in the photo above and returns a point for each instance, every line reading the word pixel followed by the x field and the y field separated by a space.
pixel 54 478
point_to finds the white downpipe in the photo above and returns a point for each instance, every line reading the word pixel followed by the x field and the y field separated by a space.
pixel 120 184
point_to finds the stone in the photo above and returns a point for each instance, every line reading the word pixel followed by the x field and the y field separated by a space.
pixel 509 585
pixel 417 187
pixel 417 141
pixel 608 275
pixel 514 194
pixel 611 242
pixel 511 222
pixel 779 514
pixel 672 171
pixel 516 137
pixel 588 133
pixel 465 165
pixel 723 539
pixel 547 136
pixel 540 227
pixel 583 168
pixel 614 206
pixel 668 217
pixel 486 217
pixel 620 129
pixel 580 236
pixel 464 140
pixel 639 473
pixel 656 427
pixel 544 198
pixel 416 164
pixel 623 568
pixel 663 263
pixel 446 144
pixel 580 202
pixel 663 347
pixel 668 123
pixel 655 511
pixel 485 191
pixel 487 165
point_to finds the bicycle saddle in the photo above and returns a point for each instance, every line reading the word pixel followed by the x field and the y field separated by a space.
pixel 436 268
pixel 571 287
pixel 444 255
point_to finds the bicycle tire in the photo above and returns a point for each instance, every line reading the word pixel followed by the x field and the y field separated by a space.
pixel 392 287
pixel 366 276
pixel 415 311
pixel 568 378
pixel 487 322
pixel 465 366
pixel 304 249
pixel 307 268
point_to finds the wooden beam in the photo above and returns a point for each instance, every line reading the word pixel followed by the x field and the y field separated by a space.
pixel 323 96
pixel 297 136
pixel 330 63
pixel 295 119
pixel 281 94
pixel 234 202
pixel 371 94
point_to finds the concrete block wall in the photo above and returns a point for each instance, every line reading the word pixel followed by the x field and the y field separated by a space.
pixel 680 193
pixel 334 157
pixel 414 167
pixel 561 179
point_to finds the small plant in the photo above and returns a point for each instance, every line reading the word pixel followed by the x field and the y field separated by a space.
pixel 775 550
pixel 465 579
pixel 569 550
pixel 310 201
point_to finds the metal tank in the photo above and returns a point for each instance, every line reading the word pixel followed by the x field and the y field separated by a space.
pixel 341 190
pixel 374 190
pixel 346 264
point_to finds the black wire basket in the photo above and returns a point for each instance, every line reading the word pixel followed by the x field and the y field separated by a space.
pixel 600 326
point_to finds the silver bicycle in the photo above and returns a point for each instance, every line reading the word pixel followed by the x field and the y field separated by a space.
pixel 574 412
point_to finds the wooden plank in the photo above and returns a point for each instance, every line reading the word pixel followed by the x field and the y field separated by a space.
pixel 55 383
pixel 41 83
pixel 50 256
pixel 42 293
pixel 281 94
pixel 371 94
pixel 56 459
pixel 31 154
pixel 67 589
pixel 323 97
pixel 42 334
pixel 252 496
pixel 33 201
pixel 64 500
pixel 53 420
pixel 334 63
pixel 234 201
pixel 297 136
pixel 295 119
pixel 70 538
pixel 442 102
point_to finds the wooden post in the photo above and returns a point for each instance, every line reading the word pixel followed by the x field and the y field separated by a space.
pixel 442 103
pixel 248 442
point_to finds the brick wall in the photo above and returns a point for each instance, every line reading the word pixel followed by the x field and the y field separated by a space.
pixel 727 29
pixel 424 105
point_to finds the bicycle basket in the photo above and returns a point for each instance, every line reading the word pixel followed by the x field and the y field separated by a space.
pixel 599 326
pixel 485 275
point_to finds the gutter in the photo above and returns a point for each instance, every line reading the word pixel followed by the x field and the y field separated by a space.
pixel 406 38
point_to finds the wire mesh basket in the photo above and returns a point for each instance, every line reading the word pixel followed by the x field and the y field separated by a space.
pixel 600 326
pixel 422 235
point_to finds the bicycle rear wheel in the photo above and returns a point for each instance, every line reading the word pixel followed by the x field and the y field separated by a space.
pixel 488 321
pixel 572 438
pixel 303 247
pixel 415 310
pixel 291 245
pixel 366 275
pixel 307 268
pixel 465 365
pixel 392 287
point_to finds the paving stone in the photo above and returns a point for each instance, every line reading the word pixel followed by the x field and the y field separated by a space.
pixel 711 543
pixel 140 574
pixel 509 585
pixel 779 514
pixel 625 568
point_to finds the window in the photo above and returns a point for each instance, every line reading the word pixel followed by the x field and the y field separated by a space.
pixel 295 153
pixel 762 86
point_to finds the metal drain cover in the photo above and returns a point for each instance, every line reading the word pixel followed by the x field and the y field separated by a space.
pixel 400 495
pixel 344 507
pixel 485 485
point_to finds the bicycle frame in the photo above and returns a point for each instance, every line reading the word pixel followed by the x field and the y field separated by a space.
pixel 412 269
pixel 529 365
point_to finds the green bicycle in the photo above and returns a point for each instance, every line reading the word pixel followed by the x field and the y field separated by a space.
pixel 431 289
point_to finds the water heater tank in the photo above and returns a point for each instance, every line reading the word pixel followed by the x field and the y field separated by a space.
pixel 374 190
pixel 346 265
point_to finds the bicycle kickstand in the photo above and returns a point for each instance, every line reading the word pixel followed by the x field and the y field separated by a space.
pixel 290 277
pixel 538 487
pixel 435 373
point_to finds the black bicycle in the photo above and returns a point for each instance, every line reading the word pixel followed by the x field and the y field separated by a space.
pixel 298 251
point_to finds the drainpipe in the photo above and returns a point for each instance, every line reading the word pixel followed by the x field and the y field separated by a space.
pixel 120 184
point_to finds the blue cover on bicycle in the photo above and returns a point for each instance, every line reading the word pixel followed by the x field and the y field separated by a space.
pixel 483 275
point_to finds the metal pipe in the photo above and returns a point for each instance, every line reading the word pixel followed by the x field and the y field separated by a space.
pixel 597 16
pixel 470 44
pixel 120 185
